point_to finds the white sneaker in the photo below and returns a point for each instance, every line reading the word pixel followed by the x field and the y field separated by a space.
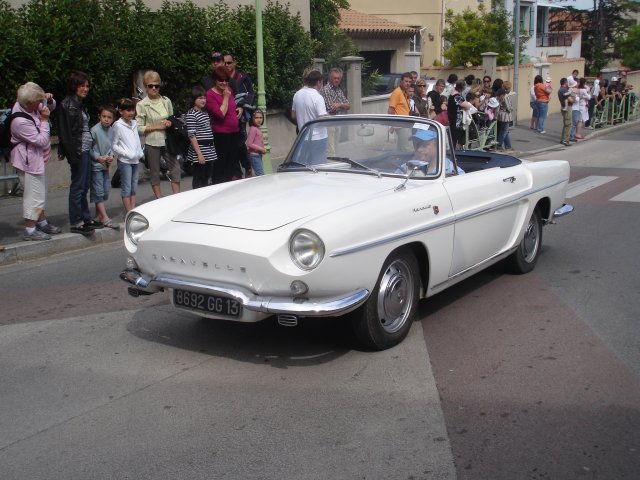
pixel 36 235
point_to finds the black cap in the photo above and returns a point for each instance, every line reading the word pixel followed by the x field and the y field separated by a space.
pixel 217 56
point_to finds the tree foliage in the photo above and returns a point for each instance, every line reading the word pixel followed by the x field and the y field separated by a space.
pixel 44 40
pixel 471 33
pixel 629 51
pixel 602 29
pixel 325 17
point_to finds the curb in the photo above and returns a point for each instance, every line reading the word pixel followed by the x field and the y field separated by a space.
pixel 23 251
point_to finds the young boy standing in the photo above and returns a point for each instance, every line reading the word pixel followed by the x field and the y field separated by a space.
pixel 102 156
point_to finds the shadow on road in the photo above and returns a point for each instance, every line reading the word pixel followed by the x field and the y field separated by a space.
pixel 313 342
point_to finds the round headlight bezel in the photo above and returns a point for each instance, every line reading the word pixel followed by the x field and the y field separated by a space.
pixel 136 225
pixel 306 249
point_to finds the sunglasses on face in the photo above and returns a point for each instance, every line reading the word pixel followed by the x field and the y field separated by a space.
pixel 228 63
pixel 154 85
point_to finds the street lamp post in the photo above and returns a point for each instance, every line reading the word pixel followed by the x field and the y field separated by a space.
pixel 262 101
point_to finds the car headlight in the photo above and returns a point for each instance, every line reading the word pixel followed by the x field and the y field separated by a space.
pixel 306 249
pixel 135 227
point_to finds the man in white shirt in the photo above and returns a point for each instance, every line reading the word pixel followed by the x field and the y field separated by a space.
pixel 308 105
pixel 595 90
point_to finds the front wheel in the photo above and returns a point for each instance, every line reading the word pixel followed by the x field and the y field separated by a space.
pixel 385 318
pixel 524 259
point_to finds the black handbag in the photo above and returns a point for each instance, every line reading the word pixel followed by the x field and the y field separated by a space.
pixel 177 142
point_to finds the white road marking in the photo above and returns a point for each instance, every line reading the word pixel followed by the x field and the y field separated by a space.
pixel 585 184
pixel 631 195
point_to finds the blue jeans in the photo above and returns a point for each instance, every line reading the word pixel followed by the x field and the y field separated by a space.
pixel 128 178
pixel 317 152
pixel 576 117
pixel 79 188
pixel 256 163
pixel 504 140
pixel 99 186
pixel 543 108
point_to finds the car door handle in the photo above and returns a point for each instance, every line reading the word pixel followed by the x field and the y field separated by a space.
pixel 509 179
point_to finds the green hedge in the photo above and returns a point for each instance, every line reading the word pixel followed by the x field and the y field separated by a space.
pixel 44 40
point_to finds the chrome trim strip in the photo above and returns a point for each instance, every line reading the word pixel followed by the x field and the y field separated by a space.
pixel 305 307
pixel 398 236
pixel 392 238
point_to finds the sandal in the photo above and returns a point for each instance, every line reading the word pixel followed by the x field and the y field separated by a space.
pixel 111 224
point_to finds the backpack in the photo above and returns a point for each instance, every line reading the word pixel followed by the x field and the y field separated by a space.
pixel 6 117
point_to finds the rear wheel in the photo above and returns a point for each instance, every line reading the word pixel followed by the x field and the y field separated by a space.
pixel 385 318
pixel 524 259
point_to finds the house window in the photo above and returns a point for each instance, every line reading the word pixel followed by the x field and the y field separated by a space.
pixel 415 43
pixel 527 15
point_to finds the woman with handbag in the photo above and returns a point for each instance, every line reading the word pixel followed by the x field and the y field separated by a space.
pixel 227 138
pixel 504 117
pixel 152 113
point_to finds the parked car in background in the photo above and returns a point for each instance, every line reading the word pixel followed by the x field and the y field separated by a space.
pixel 387 82
pixel 390 215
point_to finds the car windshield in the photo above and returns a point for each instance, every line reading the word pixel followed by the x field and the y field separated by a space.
pixel 377 145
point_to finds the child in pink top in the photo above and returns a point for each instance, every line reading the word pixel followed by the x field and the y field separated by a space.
pixel 255 142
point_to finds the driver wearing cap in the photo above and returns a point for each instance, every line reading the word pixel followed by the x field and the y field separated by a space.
pixel 426 150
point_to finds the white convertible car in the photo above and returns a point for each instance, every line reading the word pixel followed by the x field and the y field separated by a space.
pixel 367 215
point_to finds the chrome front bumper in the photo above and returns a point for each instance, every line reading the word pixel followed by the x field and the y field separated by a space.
pixel 303 307
pixel 565 209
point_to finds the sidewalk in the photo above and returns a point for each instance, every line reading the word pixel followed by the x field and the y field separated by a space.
pixel 57 208
pixel 525 141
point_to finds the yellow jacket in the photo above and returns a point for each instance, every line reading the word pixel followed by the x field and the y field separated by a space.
pixel 148 112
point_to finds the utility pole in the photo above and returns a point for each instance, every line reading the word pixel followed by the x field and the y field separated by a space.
pixel 516 53
pixel 262 100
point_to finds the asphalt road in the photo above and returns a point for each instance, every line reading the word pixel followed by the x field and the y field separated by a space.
pixel 538 374
pixel 505 377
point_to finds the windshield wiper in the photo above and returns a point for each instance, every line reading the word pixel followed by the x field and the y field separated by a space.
pixel 353 163
pixel 296 164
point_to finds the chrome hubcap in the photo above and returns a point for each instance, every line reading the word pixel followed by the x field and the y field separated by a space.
pixel 395 296
pixel 531 241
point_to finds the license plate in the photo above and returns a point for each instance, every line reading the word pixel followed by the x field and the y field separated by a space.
pixel 207 303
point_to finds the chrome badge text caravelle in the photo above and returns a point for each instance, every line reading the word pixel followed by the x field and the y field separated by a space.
pixel 195 263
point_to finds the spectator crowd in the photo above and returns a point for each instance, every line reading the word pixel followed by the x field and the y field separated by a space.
pixel 219 137
pixel 456 103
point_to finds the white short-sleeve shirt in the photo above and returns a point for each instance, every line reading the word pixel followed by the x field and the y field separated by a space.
pixel 309 105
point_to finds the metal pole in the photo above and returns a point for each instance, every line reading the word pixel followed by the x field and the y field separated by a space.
pixel 262 101
pixel 516 56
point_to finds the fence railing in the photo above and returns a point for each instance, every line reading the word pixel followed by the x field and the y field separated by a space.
pixel 554 39
pixel 481 133
pixel 612 110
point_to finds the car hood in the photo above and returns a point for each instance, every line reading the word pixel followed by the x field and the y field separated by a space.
pixel 271 201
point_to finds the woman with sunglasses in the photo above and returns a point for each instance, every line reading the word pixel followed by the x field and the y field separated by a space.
pixel 152 113
pixel 226 130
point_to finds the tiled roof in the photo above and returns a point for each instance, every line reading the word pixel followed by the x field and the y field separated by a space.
pixel 358 24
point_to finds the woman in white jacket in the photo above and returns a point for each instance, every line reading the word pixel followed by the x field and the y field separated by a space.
pixel 127 146
pixel 584 96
